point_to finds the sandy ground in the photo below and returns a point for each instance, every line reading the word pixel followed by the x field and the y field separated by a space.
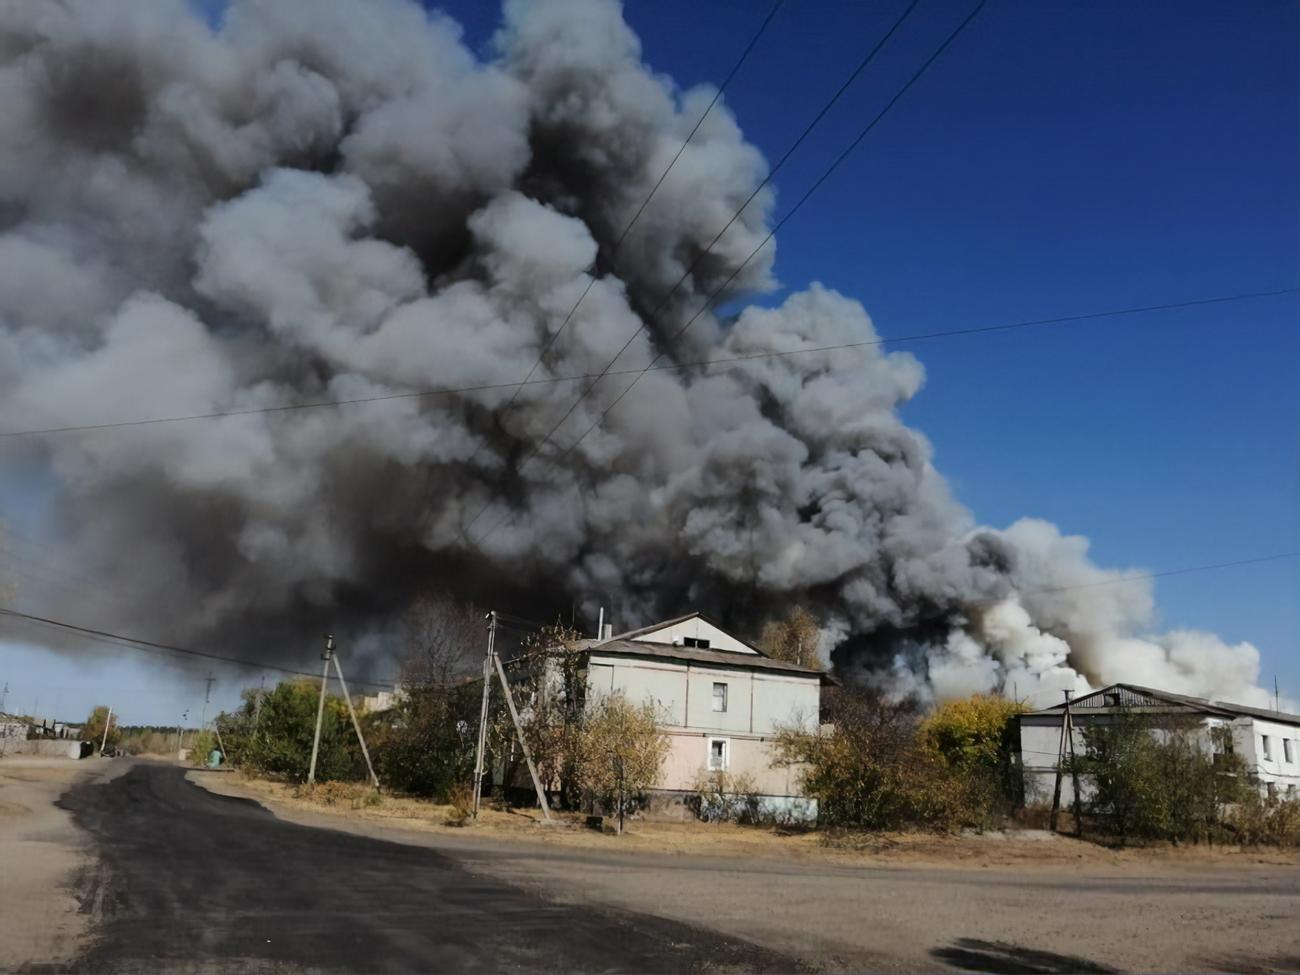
pixel 1029 849
pixel 45 859
pixel 1009 904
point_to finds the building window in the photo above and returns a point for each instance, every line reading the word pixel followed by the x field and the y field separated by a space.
pixel 719 696
pixel 1288 750
pixel 692 641
pixel 1271 789
pixel 718 749
pixel 1268 747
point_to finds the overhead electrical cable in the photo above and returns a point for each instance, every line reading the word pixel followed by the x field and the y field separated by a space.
pixel 591 271
pixel 708 250
pixel 721 289
pixel 135 643
pixel 676 366
pixel 118 639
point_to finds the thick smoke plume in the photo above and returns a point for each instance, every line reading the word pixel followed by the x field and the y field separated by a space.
pixel 337 200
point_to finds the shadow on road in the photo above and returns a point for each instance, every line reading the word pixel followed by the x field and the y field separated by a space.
pixel 974 955
pixel 1248 965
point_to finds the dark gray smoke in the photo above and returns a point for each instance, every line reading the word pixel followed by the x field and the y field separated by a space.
pixel 336 200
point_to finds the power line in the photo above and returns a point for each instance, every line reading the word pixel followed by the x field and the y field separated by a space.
pixel 835 164
pixel 550 342
pixel 135 643
pixel 678 366
pixel 695 263
pixel 1139 576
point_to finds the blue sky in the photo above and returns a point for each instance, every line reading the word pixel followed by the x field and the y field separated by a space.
pixel 1061 158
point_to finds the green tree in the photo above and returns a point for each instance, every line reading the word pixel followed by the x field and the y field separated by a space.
pixel 281 743
pixel 870 771
pixel 620 753
pixel 425 745
pixel 93 729
pixel 976 738
pixel 1156 777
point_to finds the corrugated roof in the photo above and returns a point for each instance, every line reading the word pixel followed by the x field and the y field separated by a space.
pixel 724 658
pixel 1203 705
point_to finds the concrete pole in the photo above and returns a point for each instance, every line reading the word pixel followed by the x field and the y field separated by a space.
pixel 523 745
pixel 320 707
pixel 356 725
pixel 483 711
pixel 108 722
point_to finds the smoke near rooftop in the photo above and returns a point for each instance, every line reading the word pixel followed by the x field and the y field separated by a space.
pixel 287 209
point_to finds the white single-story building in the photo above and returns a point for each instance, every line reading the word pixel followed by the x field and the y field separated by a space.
pixel 1268 741
pixel 720 702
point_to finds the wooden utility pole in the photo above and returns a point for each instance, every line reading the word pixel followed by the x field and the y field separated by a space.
pixel 320 707
pixel 483 711
pixel 356 725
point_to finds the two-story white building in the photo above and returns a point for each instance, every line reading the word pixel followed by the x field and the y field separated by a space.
pixel 1267 741
pixel 720 701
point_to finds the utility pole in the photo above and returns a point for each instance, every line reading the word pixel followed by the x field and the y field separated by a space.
pixel 4 694
pixel 180 733
pixel 1074 770
pixel 1067 744
pixel 523 743
pixel 108 723
pixel 483 711
pixel 257 706
pixel 356 725
pixel 320 707
pixel 207 696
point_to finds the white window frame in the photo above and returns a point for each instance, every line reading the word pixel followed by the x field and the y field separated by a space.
pixel 723 700
pixel 726 755
pixel 1288 751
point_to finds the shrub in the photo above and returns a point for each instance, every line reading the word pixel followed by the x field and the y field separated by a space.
pixel 336 793
pixel 1162 779
pixel 870 771
pixel 425 745
pixel 461 798
pixel 278 736
pixel 718 796
pixel 975 738
pixel 1256 820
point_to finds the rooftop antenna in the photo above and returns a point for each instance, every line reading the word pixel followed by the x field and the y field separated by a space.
pixel 1277 704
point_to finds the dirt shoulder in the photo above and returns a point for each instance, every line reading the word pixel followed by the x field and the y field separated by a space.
pixel 46 859
pixel 1024 849
pixel 1015 903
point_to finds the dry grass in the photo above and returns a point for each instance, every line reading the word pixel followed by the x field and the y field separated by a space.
pixel 1022 849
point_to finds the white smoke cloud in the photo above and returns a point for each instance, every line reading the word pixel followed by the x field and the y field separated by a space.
pixel 342 202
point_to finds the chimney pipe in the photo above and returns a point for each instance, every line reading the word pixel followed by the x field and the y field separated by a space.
pixel 608 632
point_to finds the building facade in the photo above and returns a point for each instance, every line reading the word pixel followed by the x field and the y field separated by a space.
pixel 720 702
pixel 1267 741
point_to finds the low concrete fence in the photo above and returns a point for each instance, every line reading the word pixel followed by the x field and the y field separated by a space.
pixel 49 747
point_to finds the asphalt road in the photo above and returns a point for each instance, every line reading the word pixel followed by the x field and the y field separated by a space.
pixel 191 881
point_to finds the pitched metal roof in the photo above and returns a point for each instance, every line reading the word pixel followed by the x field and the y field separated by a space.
pixel 1133 696
pixel 723 658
